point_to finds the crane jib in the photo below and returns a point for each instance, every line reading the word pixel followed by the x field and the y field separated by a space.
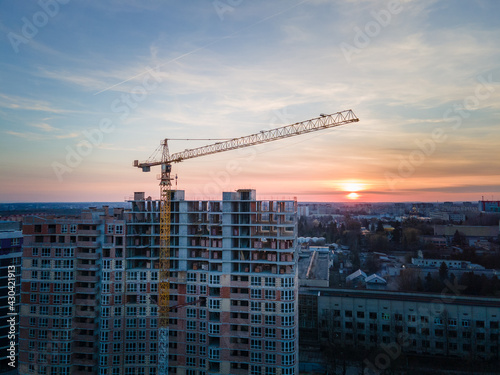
pixel 318 123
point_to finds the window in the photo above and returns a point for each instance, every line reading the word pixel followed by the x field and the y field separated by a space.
pixel 270 345
pixel 270 307
pixel 270 294
pixel 256 357
pixel 287 333
pixel 386 316
pixel 255 331
pixel 287 307
pixel 270 358
pixel 46 252
pixel 270 332
pixel 288 346
pixel 255 293
pixel 64 228
pixel 255 281
pixel 255 344
pixel 465 323
pixel 256 319
pixel 270 281
pixel 34 251
pixel 255 306
pixel 119 229
pixel 214 279
pixel 214 328
pixel 214 353
pixel 271 319
pixel 213 303
pixel 191 289
pixel 288 360
pixel 191 325
pixel 287 295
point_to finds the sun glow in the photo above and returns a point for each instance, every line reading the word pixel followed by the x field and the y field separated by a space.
pixel 353 196
pixel 352 186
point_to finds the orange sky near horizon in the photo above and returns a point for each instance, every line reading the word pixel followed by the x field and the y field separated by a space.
pixel 78 104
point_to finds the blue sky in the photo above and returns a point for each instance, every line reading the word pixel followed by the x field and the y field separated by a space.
pixel 86 87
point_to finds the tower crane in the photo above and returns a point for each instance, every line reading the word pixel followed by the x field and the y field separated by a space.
pixel 322 122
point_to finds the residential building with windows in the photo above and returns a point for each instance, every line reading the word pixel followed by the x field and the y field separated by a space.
pixel 420 323
pixel 236 261
pixel 90 289
pixel 11 241
pixel 72 275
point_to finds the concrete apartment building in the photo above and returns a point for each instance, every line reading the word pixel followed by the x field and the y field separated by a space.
pixel 236 260
pixel 90 289
pixel 72 275
pixel 427 324
pixel 11 241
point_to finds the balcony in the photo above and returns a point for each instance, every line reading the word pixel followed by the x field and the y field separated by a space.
pixel 89 232
pixel 86 302
pixel 84 362
pixel 87 267
pixel 89 256
pixel 85 314
pixel 80 289
pixel 90 279
pixel 90 326
pixel 85 350
pixel 87 244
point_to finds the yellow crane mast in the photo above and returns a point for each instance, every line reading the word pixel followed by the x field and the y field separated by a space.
pixel 318 123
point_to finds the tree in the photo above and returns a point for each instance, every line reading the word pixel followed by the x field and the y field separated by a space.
pixel 443 271
pixel 408 279
pixel 378 242
pixel 420 285
pixel 356 263
pixel 372 264
pixel 380 227
pixel 458 239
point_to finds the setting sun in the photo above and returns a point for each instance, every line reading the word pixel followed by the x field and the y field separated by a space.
pixel 353 196
pixel 352 186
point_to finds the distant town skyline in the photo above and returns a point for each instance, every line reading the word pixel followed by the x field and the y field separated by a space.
pixel 88 87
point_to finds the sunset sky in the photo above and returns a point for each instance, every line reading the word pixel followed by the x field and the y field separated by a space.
pixel 86 87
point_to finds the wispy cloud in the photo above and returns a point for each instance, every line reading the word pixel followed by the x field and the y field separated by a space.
pixel 44 126
pixel 20 103
pixel 30 136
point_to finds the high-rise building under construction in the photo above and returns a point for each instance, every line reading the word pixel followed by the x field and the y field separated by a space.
pixel 233 289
